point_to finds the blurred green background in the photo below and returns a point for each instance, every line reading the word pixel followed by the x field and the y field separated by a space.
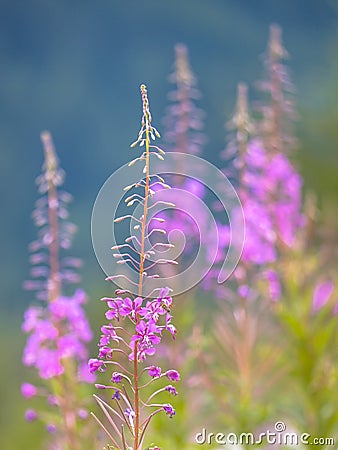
pixel 74 67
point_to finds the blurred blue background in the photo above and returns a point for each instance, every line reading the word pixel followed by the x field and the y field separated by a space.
pixel 74 67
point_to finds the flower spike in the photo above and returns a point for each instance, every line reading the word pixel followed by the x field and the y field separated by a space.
pixel 142 318
pixel 58 328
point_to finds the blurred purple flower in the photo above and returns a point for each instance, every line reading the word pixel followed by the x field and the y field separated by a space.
pixel 321 294
pixel 30 415
pixel 274 284
pixel 28 390
pixel 51 428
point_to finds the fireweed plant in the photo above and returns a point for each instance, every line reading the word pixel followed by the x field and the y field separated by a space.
pixel 183 133
pixel 297 273
pixel 257 166
pixel 57 327
pixel 241 334
pixel 136 322
pixel 279 297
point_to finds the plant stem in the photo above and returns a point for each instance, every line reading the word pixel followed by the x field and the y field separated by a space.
pixel 54 282
pixel 142 259
pixel 54 288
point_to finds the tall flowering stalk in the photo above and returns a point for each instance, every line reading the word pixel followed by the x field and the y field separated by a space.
pixel 183 124
pixel 240 384
pixel 277 108
pixel 281 190
pixel 270 188
pixel 58 328
pixel 270 192
pixel 295 332
pixel 306 307
pixel 137 320
pixel 184 120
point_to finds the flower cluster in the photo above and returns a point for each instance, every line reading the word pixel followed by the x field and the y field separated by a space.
pixel 145 319
pixel 269 187
pixel 271 195
pixel 57 332
pixel 148 323
pixel 272 203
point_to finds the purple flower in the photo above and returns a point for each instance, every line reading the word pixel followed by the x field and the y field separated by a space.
pixel 31 318
pixel 95 364
pixel 51 428
pixel 116 377
pixel 28 390
pixel 70 346
pixel 114 307
pixel 170 327
pixel 171 389
pixel 105 352
pixel 45 330
pixel 83 413
pixel 157 307
pixel 154 371
pixel 116 395
pixel 130 307
pixel 70 311
pixel 274 284
pixel 46 347
pixel 244 291
pixel 52 400
pixel 84 373
pixel 321 295
pixel 108 330
pixel 272 193
pixel 108 334
pixel 146 337
pixel 172 375
pixel 169 410
pixel 49 364
pixel 30 415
